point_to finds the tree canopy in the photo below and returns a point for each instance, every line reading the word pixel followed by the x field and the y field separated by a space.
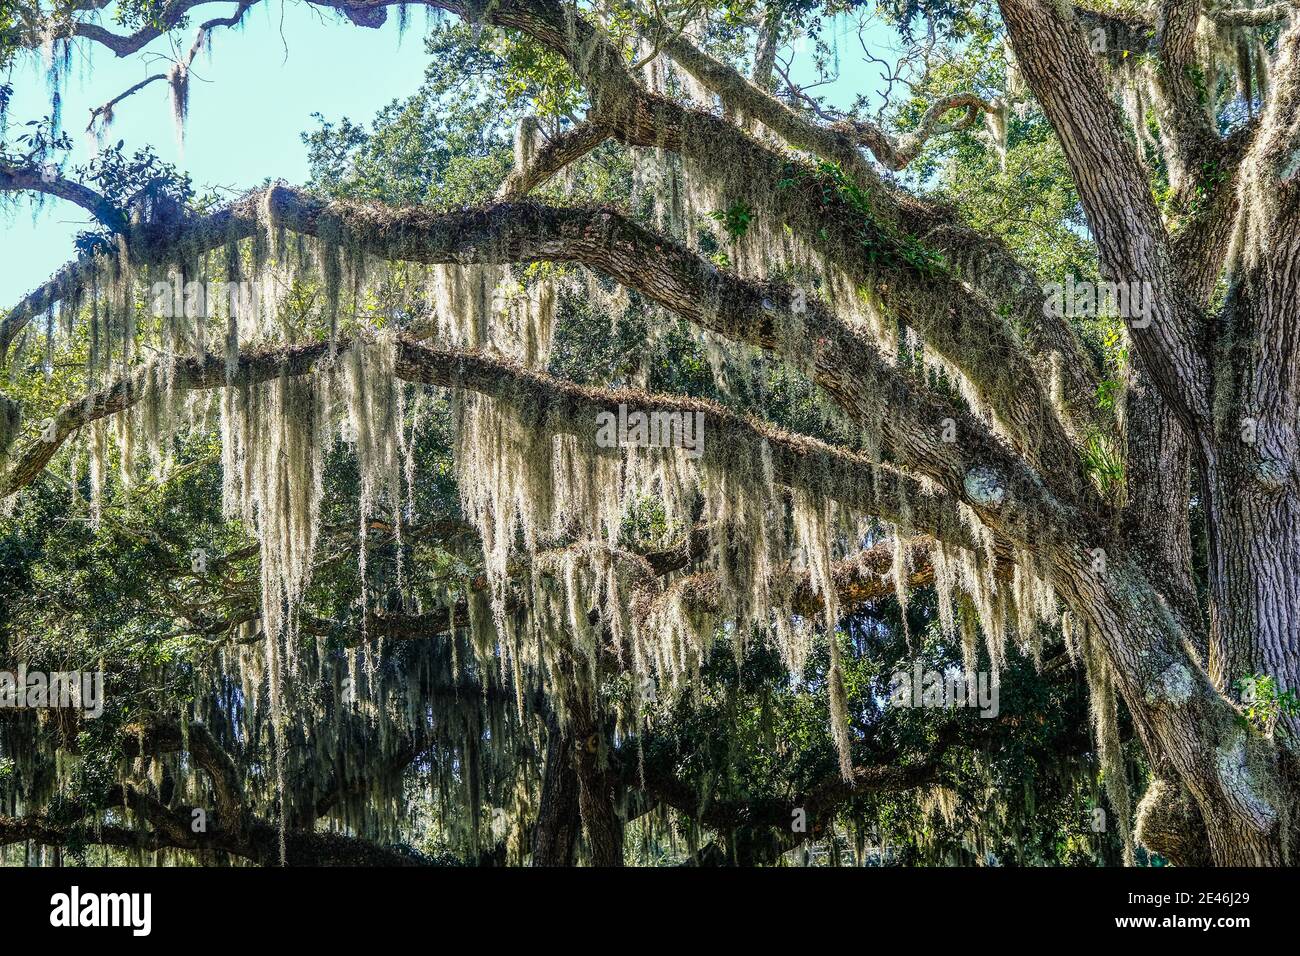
pixel 674 434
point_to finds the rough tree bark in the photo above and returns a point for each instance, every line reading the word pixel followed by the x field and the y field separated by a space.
pixel 559 820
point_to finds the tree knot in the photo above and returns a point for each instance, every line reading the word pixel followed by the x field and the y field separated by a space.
pixel 984 486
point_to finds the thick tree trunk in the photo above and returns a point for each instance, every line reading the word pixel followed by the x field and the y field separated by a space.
pixel 1253 478
pixel 1237 777
pixel 1254 584
pixel 597 791
pixel 1156 517
pixel 555 835
pixel 1189 731
pixel 589 751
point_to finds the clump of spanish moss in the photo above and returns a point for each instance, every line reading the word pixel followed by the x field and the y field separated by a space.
pixel 10 419
pixel 1105 721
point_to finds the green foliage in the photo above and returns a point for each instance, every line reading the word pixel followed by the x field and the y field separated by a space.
pixel 446 146
pixel 537 78
pixel 735 219
pixel 753 737
pixel 1104 464
pixel 142 178
pixel 1264 703
pixel 40 142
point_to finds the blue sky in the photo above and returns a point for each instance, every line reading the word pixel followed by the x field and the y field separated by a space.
pixel 249 102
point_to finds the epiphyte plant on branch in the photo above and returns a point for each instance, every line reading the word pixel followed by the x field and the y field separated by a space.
pixel 428 583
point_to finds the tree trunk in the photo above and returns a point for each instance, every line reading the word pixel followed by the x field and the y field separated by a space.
pixel 588 743
pixel 1254 584
pixel 597 789
pixel 555 835
pixel 1253 489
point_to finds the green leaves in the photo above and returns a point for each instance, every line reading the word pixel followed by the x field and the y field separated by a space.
pixel 735 220
pixel 1105 464
pixel 447 145
pixel 128 181
pixel 1264 703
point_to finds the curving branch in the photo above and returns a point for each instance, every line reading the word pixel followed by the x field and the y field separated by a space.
pixel 58 288
pixel 895 153
pixel 362 13
pixel 867 243
pixel 980 261
pixel 763 824
pixel 797 461
pixel 166 736
pixel 48 181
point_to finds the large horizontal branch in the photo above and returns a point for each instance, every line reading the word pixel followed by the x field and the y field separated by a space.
pixel 820 802
pixel 769 315
pixel 858 581
pixel 171 829
pixel 28 463
pixel 45 830
pixel 1253 16
pixel 800 462
pixel 124 44
pixel 1134 30
pixel 1009 496
pixel 797 461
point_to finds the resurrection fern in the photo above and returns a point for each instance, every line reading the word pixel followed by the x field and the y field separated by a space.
pixel 1264 703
